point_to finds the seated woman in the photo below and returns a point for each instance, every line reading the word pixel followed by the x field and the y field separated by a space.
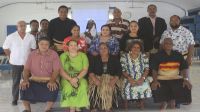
pixel 74 88
pixel 135 67
pixel 104 71
pixel 105 37
pixel 82 45
pixel 130 36
pixel 39 77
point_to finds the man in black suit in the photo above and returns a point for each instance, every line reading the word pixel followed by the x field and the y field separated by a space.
pixel 151 29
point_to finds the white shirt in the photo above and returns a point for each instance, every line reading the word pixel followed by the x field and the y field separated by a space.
pixel 19 48
pixel 153 21
pixel 182 38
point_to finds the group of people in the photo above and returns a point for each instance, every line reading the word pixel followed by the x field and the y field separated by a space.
pixel 92 72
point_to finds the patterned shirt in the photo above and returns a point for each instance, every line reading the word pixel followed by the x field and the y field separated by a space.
pixel 82 44
pixel 182 39
pixel 40 34
pixel 112 43
pixel 43 64
pixel 118 30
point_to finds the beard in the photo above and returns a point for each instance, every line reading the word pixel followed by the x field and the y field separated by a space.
pixel 175 26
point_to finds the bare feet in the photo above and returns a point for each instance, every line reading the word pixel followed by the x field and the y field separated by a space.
pixel 172 104
pixel 93 110
pixel 108 111
pixel 140 104
pixel 126 105
pixel 163 106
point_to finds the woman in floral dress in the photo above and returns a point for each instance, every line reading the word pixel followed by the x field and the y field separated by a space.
pixel 135 67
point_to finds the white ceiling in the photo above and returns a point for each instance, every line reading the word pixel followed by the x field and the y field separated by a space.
pixel 185 4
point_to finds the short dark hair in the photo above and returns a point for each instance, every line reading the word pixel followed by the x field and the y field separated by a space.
pixel 133 21
pixel 76 26
pixel 34 21
pixel 90 21
pixel 151 6
pixel 62 7
pixel 117 9
pixel 44 38
pixel 44 20
pixel 175 16
pixel 104 44
pixel 105 26
pixel 136 41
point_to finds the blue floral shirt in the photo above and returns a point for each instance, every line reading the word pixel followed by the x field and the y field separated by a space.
pixel 113 45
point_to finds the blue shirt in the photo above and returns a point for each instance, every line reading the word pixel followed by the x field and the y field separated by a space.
pixel 113 45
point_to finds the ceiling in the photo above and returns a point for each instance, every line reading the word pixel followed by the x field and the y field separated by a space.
pixel 185 4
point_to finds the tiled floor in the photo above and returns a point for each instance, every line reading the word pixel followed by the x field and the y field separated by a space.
pixel 5 97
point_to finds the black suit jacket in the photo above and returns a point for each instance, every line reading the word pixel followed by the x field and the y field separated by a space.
pixel 146 32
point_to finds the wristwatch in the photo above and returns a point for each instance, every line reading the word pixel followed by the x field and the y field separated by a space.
pixel 186 78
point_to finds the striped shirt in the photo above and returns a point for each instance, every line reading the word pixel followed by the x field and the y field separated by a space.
pixel 169 66
pixel 118 30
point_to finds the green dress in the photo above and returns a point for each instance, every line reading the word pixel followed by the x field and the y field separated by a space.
pixel 71 96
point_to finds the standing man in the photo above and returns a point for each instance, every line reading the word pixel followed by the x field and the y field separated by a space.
pixel 183 39
pixel 44 24
pixel 59 28
pixel 17 46
pixel 34 24
pixel 118 25
pixel 151 29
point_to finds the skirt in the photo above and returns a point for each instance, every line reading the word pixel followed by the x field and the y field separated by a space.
pixel 136 92
pixel 74 97
pixel 38 92
pixel 102 96
pixel 172 90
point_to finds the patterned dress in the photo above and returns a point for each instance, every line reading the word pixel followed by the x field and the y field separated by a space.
pixel 71 96
pixel 135 68
pixel 112 43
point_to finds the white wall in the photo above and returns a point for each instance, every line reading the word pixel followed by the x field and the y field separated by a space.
pixel 12 13
pixel 99 13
